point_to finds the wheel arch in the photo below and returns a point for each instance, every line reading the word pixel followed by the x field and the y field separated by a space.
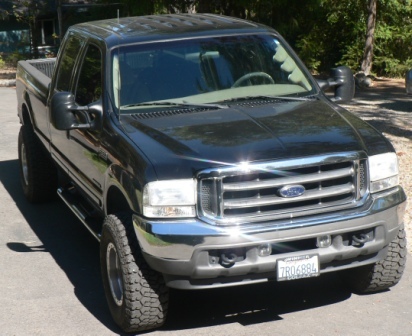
pixel 116 201
pixel 26 114
pixel 122 192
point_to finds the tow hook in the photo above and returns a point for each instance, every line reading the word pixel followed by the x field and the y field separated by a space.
pixel 360 239
pixel 228 260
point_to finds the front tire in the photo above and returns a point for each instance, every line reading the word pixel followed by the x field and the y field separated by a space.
pixel 137 295
pixel 38 174
pixel 382 274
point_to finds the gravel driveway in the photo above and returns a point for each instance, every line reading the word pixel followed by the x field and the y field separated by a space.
pixel 386 106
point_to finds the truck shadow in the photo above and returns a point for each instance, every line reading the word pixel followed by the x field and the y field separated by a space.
pixel 77 253
pixel 252 304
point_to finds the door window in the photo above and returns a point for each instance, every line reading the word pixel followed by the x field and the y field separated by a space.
pixel 89 87
pixel 67 63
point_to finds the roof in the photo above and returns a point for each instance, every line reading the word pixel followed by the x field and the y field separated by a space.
pixel 156 27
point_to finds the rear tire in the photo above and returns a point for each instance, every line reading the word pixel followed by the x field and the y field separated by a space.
pixel 382 274
pixel 137 295
pixel 38 174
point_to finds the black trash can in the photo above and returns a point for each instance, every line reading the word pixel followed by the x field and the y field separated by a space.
pixel 408 82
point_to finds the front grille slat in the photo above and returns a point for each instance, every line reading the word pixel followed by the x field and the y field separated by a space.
pixel 277 214
pixel 274 200
pixel 309 178
pixel 264 191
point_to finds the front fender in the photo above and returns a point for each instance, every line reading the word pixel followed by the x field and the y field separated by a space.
pixel 123 192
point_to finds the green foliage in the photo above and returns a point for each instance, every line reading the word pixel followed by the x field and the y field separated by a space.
pixel 12 59
pixel 325 33
pixel 2 63
pixel 393 47
pixel 28 10
pixel 340 38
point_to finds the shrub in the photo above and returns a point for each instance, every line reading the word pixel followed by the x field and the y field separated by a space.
pixel 12 59
pixel 2 63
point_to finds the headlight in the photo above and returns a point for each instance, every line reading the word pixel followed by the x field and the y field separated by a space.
pixel 171 198
pixel 383 171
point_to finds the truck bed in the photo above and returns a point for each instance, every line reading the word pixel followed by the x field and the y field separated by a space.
pixel 32 82
pixel 37 72
pixel 46 66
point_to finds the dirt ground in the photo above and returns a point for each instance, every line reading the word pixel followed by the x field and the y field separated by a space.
pixel 387 107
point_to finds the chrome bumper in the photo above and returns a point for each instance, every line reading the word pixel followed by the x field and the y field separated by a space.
pixel 184 250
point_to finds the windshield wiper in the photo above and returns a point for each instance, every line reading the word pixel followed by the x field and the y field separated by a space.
pixel 268 97
pixel 183 104
pixel 297 98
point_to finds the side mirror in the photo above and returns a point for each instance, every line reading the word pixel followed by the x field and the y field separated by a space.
pixel 343 83
pixel 66 115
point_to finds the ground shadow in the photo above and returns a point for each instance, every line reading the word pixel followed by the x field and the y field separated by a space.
pixel 68 242
pixel 252 304
pixel 76 253
pixel 391 107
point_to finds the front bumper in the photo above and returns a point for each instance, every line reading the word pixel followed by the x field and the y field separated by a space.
pixel 188 252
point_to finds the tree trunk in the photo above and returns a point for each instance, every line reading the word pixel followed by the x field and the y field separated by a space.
pixel 204 6
pixel 370 32
pixel 34 38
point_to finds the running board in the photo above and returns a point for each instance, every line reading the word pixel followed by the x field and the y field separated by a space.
pixel 75 205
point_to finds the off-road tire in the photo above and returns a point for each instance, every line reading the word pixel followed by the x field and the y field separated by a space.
pixel 380 275
pixel 38 174
pixel 137 295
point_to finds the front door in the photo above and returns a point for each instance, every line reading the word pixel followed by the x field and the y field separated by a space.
pixel 78 151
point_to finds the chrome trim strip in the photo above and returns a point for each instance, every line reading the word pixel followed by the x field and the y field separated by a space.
pixel 278 182
pixel 274 200
pixel 242 168
pixel 269 216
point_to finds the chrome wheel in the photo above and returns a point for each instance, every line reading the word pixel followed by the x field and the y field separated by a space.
pixel 114 274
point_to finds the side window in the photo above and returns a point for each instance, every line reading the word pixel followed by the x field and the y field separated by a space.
pixel 69 56
pixel 89 86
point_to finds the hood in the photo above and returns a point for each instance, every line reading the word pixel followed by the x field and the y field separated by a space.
pixel 182 142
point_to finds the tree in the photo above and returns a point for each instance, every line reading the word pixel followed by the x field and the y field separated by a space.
pixel 27 11
pixel 370 34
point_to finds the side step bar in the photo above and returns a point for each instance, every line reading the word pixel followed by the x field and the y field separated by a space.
pixel 93 224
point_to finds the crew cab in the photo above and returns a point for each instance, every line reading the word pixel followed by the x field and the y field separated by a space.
pixel 201 153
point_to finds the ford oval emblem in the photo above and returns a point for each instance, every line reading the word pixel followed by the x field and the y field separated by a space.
pixel 290 191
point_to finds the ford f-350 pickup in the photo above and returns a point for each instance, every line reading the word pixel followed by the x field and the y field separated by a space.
pixel 201 153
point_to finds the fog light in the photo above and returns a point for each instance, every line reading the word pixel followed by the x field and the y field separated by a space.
pixel 265 250
pixel 324 241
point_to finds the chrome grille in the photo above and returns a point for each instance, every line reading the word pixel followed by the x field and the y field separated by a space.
pixel 251 192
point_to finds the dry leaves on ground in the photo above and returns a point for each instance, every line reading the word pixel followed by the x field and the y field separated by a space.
pixel 387 107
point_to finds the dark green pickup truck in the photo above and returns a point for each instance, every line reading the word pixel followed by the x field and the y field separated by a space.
pixel 201 153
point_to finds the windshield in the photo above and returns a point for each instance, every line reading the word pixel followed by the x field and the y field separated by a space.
pixel 204 71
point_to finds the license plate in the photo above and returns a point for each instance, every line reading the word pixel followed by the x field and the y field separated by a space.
pixel 292 268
